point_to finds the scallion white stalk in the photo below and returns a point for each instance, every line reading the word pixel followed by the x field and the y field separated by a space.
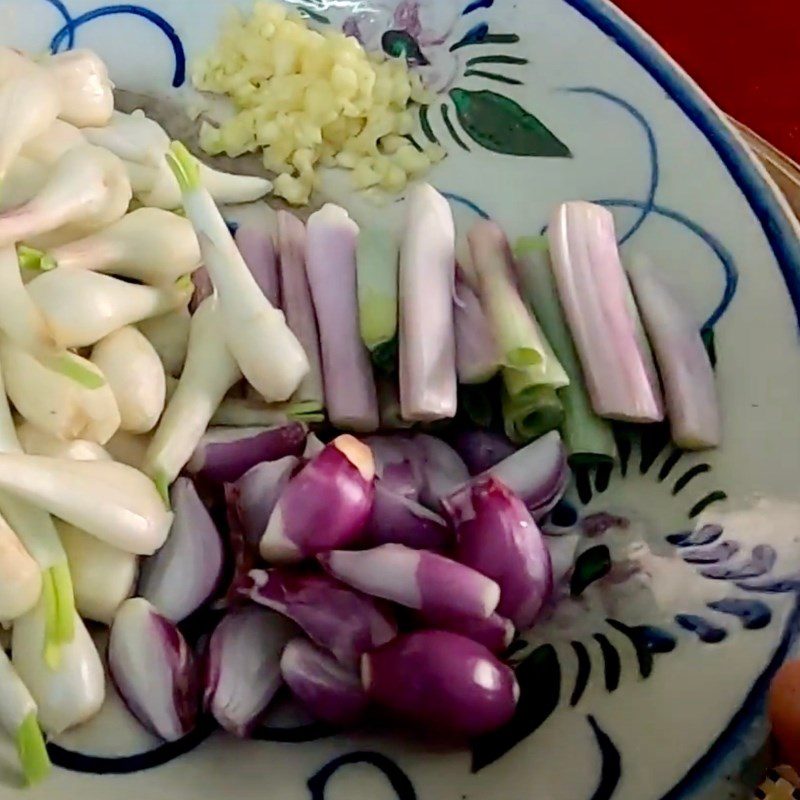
pixel 149 245
pixel 268 353
pixel 87 189
pixel 29 104
pixel 18 716
pixel 36 531
pixel 210 371
pixel 70 399
pixel 135 374
pixel 82 307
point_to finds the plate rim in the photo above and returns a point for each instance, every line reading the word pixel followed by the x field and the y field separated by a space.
pixel 772 210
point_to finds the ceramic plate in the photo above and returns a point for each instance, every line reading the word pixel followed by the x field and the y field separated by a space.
pixel 649 686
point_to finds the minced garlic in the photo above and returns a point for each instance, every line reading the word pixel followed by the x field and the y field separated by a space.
pixel 308 98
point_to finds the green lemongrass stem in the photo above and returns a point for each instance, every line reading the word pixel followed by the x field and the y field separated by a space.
pixel 267 352
pixel 210 371
pixel 18 716
pixel 36 530
pixel 377 264
pixel 82 307
pixel 58 404
pixel 236 412
pixel 531 415
pixel 149 244
pixel 522 344
pixel 588 437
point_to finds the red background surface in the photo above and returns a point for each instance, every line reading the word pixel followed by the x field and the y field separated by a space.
pixel 744 53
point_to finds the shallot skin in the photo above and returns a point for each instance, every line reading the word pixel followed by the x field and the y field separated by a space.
pixel 440 681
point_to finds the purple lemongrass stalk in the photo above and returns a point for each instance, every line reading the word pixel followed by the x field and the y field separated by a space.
pixel 691 393
pixel 617 364
pixel 428 380
pixel 478 357
pixel 298 305
pixel 350 392
pixel 258 251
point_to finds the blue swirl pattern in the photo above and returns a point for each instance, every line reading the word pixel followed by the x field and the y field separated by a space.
pixel 66 34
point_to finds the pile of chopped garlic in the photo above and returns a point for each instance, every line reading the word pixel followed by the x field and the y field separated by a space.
pixel 309 98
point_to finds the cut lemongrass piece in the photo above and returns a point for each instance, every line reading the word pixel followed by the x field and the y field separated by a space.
pixel 350 393
pixel 596 298
pixel 377 260
pixel 529 415
pixel 522 343
pixel 428 379
pixel 266 350
pixel 691 393
pixel 298 305
pixel 477 355
pixel 588 437
pixel 18 717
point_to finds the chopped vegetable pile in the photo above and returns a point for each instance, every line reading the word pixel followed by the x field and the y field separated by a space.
pixel 307 98
pixel 322 451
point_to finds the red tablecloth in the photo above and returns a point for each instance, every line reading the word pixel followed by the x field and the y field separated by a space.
pixel 744 53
